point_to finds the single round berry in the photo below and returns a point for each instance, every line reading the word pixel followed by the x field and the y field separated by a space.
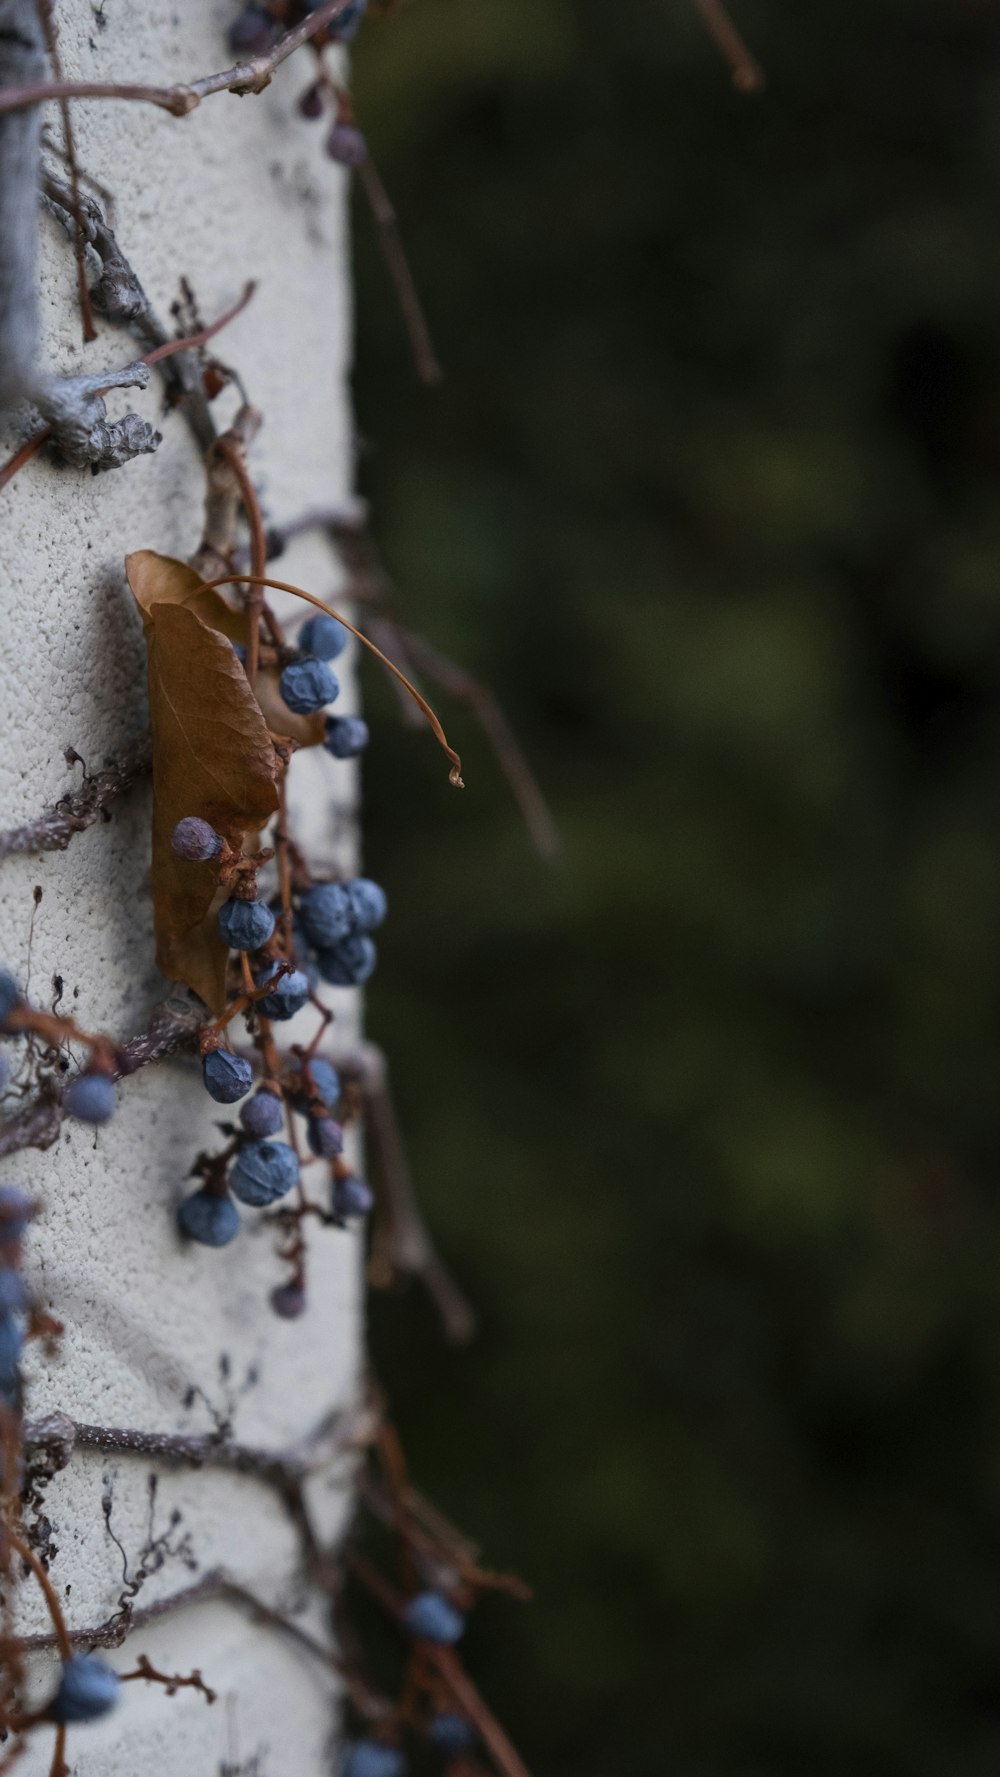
pixel 346 145
pixel 325 1137
pixel 323 636
pixel 351 1197
pixel 325 914
pixel 346 736
pixel 91 1098
pixel 209 1219
pixel 451 1733
pixel 227 1076
pixel 349 963
pixel 16 1211
pixel 325 1085
pixel 431 1618
pixel 87 1690
pixel 289 996
pixel 368 903
pixel 263 1171
pixel 10 994
pixel 252 33
pixel 263 1114
pixel 245 925
pixel 307 684
pixel 288 1300
pixel 195 840
pixel 12 1291
pixel 311 103
pixel 369 1758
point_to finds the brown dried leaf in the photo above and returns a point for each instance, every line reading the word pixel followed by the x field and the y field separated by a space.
pixel 212 757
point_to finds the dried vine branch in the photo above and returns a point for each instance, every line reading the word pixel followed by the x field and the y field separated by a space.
pixel 747 73
pixel 245 77
pixel 73 814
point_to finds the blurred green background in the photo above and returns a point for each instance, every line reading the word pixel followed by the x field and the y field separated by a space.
pixel 705 1116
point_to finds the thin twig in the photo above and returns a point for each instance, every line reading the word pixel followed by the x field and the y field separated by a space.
pixel 747 73
pixel 426 359
pixel 79 242
pixel 246 77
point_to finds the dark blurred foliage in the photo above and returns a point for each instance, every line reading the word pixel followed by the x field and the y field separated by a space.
pixel 707 1115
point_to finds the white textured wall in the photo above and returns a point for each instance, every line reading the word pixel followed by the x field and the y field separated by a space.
pixel 240 189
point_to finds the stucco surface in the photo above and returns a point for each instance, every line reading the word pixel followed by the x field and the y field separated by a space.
pixel 239 189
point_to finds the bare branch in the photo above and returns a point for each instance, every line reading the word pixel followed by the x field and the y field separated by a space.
pixel 246 77
pixel 53 830
pixel 747 73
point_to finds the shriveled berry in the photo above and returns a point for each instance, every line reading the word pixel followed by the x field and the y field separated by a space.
pixel 323 636
pixel 195 840
pixel 349 963
pixel 263 1171
pixel 325 1137
pixel 10 994
pixel 368 903
pixel 369 1758
pixel 311 103
pixel 325 1083
pixel 209 1219
pixel 351 1197
pixel 289 996
pixel 245 925
pixel 262 1114
pixel 346 736
pixel 432 1618
pixel 252 33
pixel 325 914
pixel 91 1098
pixel 288 1300
pixel 451 1733
pixel 346 145
pixel 227 1076
pixel 307 684
pixel 87 1690
pixel 16 1211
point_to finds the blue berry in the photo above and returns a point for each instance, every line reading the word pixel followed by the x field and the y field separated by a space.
pixel 227 1076
pixel 245 925
pixel 325 1081
pixel 368 903
pixel 346 736
pixel 12 1291
pixel 349 963
pixel 369 1758
pixel 91 1098
pixel 324 637
pixel 351 1197
pixel 288 1300
pixel 307 684
pixel 16 1211
pixel 311 106
pixel 209 1219
pixel 195 840
pixel 240 652
pixel 10 994
pixel 346 145
pixel 253 33
pixel 289 996
pixel 87 1690
pixel 325 1137
pixel 452 1733
pixel 263 1172
pixel 325 914
pixel 11 1346
pixel 263 1114
pixel 432 1618
pixel 345 26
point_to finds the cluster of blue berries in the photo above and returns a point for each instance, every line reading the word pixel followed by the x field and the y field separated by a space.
pixel 427 1617
pixel 334 926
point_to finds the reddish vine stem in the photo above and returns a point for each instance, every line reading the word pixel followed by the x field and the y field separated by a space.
pixel 747 73
pixel 455 775
pixel 426 359
pixel 53 1606
pixel 258 550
